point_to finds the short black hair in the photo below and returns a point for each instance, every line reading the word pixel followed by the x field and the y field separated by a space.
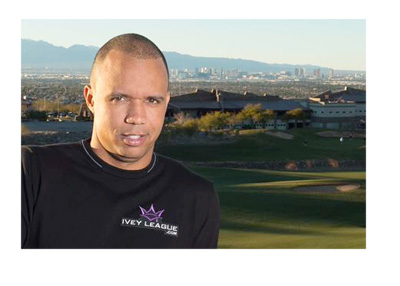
pixel 137 45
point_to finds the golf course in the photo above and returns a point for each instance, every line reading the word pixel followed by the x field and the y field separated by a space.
pixel 303 209
pixel 296 189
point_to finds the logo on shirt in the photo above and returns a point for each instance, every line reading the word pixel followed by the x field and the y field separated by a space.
pixel 151 219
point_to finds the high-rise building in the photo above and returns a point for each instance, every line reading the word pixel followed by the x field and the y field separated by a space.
pixel 300 72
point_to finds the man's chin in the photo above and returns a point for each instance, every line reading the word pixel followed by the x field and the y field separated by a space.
pixel 125 159
pixel 128 156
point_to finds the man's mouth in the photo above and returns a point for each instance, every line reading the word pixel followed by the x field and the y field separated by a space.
pixel 134 140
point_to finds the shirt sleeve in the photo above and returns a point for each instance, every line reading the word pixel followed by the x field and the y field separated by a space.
pixel 209 231
pixel 28 187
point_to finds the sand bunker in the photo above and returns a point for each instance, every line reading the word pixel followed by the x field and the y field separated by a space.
pixel 327 189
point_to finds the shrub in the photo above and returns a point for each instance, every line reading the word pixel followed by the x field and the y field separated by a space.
pixel 35 114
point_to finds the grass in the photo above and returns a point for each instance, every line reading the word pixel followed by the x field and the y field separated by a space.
pixel 256 146
pixel 261 210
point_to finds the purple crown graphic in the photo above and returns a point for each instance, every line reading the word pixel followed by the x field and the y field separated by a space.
pixel 151 214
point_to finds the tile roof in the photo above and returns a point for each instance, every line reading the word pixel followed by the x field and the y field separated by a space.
pixel 344 96
pixel 224 100
pixel 198 95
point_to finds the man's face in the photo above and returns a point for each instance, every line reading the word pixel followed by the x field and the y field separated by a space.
pixel 129 101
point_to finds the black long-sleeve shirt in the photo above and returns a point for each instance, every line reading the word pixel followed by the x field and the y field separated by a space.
pixel 73 199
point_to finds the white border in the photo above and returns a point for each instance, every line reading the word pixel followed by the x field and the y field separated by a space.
pixel 225 267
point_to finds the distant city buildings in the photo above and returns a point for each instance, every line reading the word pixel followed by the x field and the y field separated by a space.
pixel 317 73
pixel 300 72
pixel 220 74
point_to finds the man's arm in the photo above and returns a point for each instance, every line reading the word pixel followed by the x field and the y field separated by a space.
pixel 209 232
pixel 28 185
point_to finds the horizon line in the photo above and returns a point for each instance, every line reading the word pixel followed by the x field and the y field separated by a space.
pixel 216 57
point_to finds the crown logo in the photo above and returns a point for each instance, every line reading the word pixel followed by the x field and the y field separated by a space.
pixel 151 214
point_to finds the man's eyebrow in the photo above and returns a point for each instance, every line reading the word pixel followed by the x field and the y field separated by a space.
pixel 158 97
pixel 117 94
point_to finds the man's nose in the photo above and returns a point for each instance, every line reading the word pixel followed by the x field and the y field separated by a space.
pixel 136 113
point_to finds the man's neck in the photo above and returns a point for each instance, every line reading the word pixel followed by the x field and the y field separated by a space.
pixel 129 164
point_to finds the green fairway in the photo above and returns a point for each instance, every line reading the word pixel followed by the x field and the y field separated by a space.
pixel 260 209
pixel 259 146
pixel 266 208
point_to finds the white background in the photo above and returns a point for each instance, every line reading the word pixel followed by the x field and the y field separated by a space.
pixel 375 265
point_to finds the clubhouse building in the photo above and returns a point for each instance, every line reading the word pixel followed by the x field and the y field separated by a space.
pixel 340 110
pixel 200 102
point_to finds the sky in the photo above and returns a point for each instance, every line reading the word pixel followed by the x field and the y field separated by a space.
pixel 338 44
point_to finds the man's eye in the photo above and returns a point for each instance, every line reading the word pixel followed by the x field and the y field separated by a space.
pixel 117 98
pixel 153 100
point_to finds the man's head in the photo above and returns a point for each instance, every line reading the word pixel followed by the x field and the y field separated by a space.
pixel 128 96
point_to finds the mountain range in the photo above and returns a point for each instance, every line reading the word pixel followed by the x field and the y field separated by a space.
pixel 41 54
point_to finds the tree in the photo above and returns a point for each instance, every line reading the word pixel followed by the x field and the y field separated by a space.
pixel 45 105
pixel 74 108
pixel 181 118
pixel 263 116
pixel 190 127
pixel 36 114
pixel 233 120
pixel 296 114
pixel 214 120
pixel 249 112
pixel 255 113
pixel 184 124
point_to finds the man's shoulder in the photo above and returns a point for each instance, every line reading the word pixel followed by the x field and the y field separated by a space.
pixel 50 150
pixel 183 173
pixel 53 146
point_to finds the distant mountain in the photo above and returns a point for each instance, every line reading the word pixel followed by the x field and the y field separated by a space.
pixel 180 61
pixel 41 54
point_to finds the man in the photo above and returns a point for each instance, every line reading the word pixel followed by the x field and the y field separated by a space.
pixel 112 190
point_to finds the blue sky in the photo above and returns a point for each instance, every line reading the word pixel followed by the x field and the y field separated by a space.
pixel 338 44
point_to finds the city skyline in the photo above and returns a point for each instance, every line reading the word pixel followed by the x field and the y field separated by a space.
pixel 337 44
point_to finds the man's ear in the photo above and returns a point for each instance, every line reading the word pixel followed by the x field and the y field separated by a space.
pixel 167 98
pixel 88 93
